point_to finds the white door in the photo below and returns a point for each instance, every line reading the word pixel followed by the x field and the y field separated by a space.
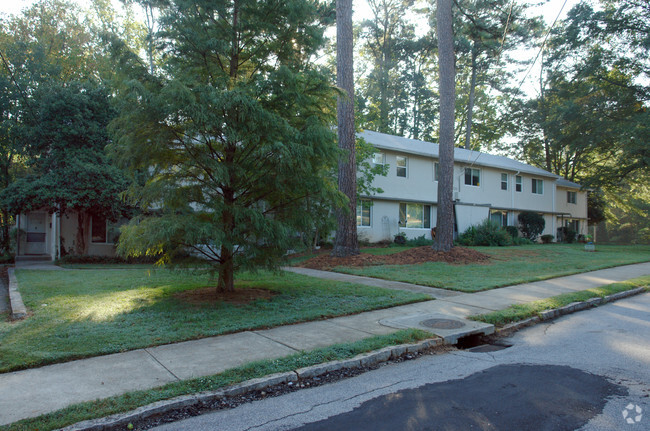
pixel 35 233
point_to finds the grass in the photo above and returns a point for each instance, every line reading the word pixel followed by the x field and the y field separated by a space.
pixel 83 313
pixel 519 312
pixel 132 400
pixel 509 265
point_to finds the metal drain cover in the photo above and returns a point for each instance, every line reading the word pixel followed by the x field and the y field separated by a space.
pixel 442 323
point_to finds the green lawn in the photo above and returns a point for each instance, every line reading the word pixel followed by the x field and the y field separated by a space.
pixel 509 265
pixel 83 313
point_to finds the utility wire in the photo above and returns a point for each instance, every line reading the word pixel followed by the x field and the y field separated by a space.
pixel 541 47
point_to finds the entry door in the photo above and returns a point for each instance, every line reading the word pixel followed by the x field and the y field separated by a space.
pixel 35 233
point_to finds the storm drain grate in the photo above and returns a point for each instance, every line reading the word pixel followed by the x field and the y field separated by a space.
pixel 442 324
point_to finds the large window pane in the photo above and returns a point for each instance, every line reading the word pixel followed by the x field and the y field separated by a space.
pixel 414 215
pixel 363 212
pixel 401 166
pixel 402 215
pixel 427 216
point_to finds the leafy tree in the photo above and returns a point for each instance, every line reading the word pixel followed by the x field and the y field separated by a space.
pixel 531 224
pixel 444 240
pixel 64 140
pixel 346 242
pixel 232 135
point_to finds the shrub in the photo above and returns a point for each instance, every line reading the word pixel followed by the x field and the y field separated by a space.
pixel 419 241
pixel 488 233
pixel 531 224
pixel 521 241
pixel 513 231
pixel 547 239
pixel 400 238
pixel 568 235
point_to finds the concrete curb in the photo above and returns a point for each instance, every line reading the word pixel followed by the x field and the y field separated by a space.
pixel 18 310
pixel 161 407
pixel 568 309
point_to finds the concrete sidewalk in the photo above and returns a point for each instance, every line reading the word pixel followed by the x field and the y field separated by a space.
pixel 33 392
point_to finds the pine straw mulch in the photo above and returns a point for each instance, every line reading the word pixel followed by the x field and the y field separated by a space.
pixel 457 256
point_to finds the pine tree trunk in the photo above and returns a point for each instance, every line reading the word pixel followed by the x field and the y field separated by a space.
pixel 470 103
pixel 445 224
pixel 346 243
pixel 226 281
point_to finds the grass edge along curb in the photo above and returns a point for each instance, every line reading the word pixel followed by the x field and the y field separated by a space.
pixel 138 405
pixel 520 315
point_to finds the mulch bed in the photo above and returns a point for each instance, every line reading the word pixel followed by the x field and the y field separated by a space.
pixel 457 256
pixel 209 295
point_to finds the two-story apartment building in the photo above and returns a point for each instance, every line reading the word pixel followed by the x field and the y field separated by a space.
pixel 485 186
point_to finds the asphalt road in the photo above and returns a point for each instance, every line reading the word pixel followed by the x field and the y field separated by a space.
pixel 587 371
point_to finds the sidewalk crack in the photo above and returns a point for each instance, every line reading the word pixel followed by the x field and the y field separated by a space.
pixel 274 340
pixel 162 365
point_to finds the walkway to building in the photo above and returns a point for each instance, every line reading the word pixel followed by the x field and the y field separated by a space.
pixel 36 391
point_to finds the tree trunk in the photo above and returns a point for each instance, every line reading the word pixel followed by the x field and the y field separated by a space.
pixel 472 97
pixel 226 281
pixel 445 224
pixel 80 248
pixel 346 243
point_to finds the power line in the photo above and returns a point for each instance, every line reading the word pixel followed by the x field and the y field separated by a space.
pixel 541 47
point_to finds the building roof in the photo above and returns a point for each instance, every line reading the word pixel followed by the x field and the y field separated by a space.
pixel 383 141
pixel 569 184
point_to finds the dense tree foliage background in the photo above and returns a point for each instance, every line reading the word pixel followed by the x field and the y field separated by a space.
pixel 238 80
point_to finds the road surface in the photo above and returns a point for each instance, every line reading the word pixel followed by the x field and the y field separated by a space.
pixel 587 371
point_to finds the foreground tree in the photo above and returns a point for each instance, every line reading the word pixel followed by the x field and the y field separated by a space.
pixel 444 240
pixel 232 137
pixel 346 242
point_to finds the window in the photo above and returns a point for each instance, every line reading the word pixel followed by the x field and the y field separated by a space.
pixel 379 159
pixel 538 186
pixel 519 183
pixel 573 224
pixel 415 216
pixel 363 212
pixel 571 197
pixel 436 171
pixel 504 181
pixel 401 166
pixel 103 231
pixel 472 177
pixel 500 217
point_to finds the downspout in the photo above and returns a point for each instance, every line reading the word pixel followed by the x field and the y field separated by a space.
pixel 512 196
pixel 553 217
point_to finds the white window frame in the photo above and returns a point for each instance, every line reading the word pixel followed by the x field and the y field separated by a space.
pixel 537 186
pixel 379 159
pixel 404 223
pixel 405 167
pixel 504 182
pixel 571 197
pixel 361 203
pixel 519 183
pixel 472 170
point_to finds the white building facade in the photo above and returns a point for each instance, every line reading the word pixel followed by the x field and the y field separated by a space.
pixel 485 186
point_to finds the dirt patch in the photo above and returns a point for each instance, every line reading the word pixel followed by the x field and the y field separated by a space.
pixel 457 256
pixel 209 295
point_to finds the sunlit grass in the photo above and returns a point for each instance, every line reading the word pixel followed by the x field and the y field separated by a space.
pixel 83 313
pixel 509 266
pixel 518 312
